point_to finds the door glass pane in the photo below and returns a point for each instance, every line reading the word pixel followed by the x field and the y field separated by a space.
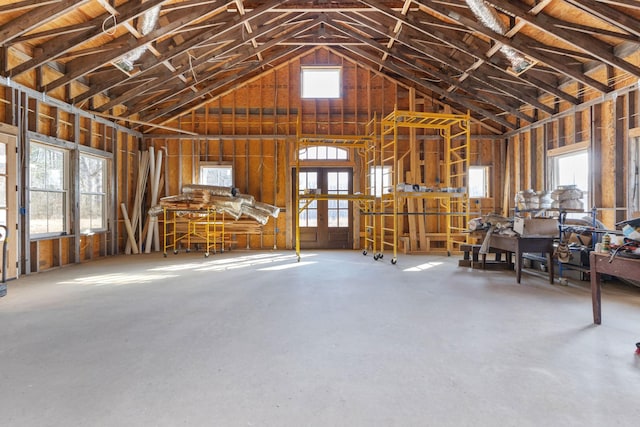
pixel 308 217
pixel 3 191
pixel 333 218
pixel 343 218
pixel 3 159
pixel 338 183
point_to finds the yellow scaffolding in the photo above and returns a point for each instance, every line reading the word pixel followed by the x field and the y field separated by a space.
pixel 452 196
pixel 361 144
pixel 185 227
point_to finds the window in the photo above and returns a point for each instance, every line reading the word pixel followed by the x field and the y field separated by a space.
pixel 380 178
pixel 478 181
pixel 571 168
pixel 634 177
pixel 321 82
pixel 323 153
pixel 338 210
pixel 47 190
pixel 216 174
pixel 93 195
pixel 308 217
pixel 3 184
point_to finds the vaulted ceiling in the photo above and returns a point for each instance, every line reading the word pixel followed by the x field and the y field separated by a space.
pixel 507 62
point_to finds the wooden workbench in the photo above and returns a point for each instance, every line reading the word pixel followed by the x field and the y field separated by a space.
pixel 602 263
pixel 521 245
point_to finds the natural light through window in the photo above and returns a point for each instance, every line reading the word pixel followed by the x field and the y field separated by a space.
pixel 216 174
pixel 323 153
pixel 379 179
pixel 321 82
pixel 478 181
pixel 571 168
pixel 423 267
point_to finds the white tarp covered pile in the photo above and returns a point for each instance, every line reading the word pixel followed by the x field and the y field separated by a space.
pixel 527 200
pixel 226 200
pixel 567 197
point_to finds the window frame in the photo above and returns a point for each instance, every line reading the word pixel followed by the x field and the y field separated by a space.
pixel 319 150
pixel 4 180
pixel 380 177
pixel 486 170
pixel 216 165
pixel 305 74
pixel 65 191
pixel 633 194
pixel 576 149
pixel 104 194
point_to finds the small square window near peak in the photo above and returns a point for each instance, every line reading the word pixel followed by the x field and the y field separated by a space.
pixel 321 82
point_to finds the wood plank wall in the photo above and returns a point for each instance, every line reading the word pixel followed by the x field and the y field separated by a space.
pixel 50 121
pixel 253 126
pixel 603 123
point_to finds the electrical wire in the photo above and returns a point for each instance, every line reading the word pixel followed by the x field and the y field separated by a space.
pixel 193 72
pixel 112 30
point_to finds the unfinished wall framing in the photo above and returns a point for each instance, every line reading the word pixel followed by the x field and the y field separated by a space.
pixel 604 125
pixel 45 120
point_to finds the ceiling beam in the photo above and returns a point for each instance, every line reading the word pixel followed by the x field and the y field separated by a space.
pixel 53 49
pixel 610 15
pixel 26 4
pixel 446 61
pixel 204 91
pixel 553 26
pixel 520 43
pixel 35 18
pixel 125 44
pixel 433 88
pixel 395 53
pixel 53 32
pixel 239 60
pixel 195 63
pixel 449 40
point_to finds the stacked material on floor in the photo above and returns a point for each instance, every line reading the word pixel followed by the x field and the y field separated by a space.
pixel 225 200
pixel 417 188
pixel 527 200
pixel 498 223
pixel 567 197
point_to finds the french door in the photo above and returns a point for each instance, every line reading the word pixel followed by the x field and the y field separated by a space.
pixel 8 201
pixel 325 224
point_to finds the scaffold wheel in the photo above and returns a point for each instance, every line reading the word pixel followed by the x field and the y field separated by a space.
pixel 394 261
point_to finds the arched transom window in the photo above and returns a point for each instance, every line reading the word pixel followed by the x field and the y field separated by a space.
pixel 323 153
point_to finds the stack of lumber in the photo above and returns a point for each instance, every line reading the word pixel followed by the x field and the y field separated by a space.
pixel 243 226
pixel 200 196
pixel 224 200
pixel 182 201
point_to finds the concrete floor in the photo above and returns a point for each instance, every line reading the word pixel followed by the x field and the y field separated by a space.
pixel 258 339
